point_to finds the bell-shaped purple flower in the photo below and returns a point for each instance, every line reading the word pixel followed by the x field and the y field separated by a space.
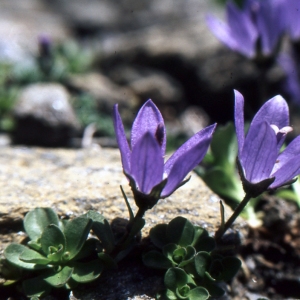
pixel 292 18
pixel 143 160
pixel 261 164
pixel 254 30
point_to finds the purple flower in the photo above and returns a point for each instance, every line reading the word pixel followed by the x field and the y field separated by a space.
pixel 291 84
pixel 253 30
pixel 261 164
pixel 292 18
pixel 143 161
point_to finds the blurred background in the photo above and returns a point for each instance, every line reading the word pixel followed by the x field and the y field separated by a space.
pixel 64 64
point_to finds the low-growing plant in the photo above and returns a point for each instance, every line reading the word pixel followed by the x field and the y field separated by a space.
pixel 58 253
pixel 189 254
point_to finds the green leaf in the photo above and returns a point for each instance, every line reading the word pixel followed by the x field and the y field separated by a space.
pixel 168 251
pixel 190 254
pixel 182 292
pixel 34 245
pixel 59 279
pixel 86 272
pixel 53 242
pixel 158 235
pixel 210 284
pixel 12 254
pixel 231 265
pixel 137 226
pixel 216 269
pixel 202 241
pixel 36 287
pixel 202 263
pixel 107 261
pixel 180 231
pixel 131 215
pixel 179 255
pixel 224 146
pixel 166 295
pixel 175 278
pixel 90 248
pixel 31 256
pixel 155 259
pixel 76 232
pixel 102 230
pixel 227 185
pixel 198 293
pixel 37 220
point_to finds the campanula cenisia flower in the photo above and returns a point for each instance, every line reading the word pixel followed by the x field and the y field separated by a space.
pixel 261 164
pixel 292 18
pixel 254 30
pixel 143 160
pixel 290 63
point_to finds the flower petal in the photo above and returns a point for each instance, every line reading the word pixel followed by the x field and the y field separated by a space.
pixel 242 28
pixel 292 17
pixel 147 163
pixel 287 172
pixel 275 111
pixel 148 119
pixel 122 140
pixel 270 17
pixel 292 150
pixel 227 35
pixel 186 158
pixel 259 153
pixel 239 120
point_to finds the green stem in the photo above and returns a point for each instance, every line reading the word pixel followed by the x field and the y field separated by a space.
pixel 220 232
pixel 132 230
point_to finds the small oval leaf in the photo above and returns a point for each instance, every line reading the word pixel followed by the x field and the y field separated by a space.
pixel 86 272
pixel 157 260
pixel 175 278
pixel 59 279
pixel 12 254
pixel 102 230
pixel 198 293
pixel 202 263
pixel 158 235
pixel 76 232
pixel 37 220
pixel 53 241
pixel 31 256
pixel 181 232
pixel 35 287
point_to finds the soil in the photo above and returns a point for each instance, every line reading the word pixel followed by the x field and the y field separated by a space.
pixel 271 255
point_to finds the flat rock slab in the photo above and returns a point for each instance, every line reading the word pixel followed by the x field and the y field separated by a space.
pixel 74 181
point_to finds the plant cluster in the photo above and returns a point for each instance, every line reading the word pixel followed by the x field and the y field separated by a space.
pixel 194 266
pixel 60 254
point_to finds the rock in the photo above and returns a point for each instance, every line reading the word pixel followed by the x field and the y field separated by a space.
pixel 105 92
pixel 20 26
pixel 193 119
pixel 149 84
pixel 74 181
pixel 44 116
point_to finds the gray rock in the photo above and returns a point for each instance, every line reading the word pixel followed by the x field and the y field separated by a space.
pixel 105 92
pixel 44 116
pixel 20 25
pixel 148 83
